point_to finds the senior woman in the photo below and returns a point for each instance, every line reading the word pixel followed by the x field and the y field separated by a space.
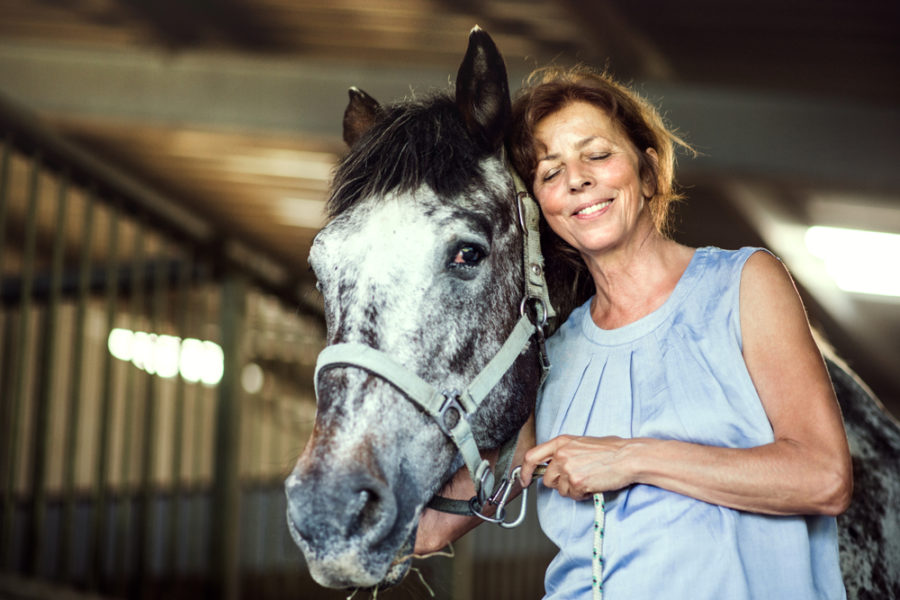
pixel 687 388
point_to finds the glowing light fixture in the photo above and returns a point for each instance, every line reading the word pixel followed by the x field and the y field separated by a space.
pixel 858 261
pixel 252 378
pixel 167 356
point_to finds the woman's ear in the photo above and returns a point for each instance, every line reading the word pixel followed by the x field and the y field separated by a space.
pixel 650 173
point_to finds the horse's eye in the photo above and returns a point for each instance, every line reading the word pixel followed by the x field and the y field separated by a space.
pixel 467 256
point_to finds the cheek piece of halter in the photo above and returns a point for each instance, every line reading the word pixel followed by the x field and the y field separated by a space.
pixel 452 409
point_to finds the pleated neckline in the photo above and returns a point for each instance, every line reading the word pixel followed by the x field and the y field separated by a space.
pixel 646 324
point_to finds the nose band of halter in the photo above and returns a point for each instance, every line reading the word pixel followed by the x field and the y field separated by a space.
pixel 439 403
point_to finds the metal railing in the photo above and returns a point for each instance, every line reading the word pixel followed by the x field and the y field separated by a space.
pixel 117 477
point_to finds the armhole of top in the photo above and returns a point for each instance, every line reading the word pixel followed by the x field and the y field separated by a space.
pixel 736 313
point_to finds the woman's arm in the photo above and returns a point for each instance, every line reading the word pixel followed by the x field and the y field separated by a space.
pixel 806 470
pixel 437 529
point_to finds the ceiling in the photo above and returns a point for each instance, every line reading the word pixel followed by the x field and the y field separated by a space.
pixel 232 108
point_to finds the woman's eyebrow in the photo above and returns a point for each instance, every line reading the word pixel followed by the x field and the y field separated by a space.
pixel 586 141
pixel 578 146
pixel 548 157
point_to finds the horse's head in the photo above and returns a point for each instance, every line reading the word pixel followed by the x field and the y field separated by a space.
pixel 422 261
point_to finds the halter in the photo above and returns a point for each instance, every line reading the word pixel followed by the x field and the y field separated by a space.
pixel 452 409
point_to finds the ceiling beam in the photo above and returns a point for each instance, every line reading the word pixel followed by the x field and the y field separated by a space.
pixel 804 139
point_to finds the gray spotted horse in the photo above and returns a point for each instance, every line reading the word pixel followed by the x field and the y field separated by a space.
pixel 434 357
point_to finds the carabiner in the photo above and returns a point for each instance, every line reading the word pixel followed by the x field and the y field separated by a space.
pixel 503 492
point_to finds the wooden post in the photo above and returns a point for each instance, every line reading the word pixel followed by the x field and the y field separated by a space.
pixel 225 533
pixel 46 370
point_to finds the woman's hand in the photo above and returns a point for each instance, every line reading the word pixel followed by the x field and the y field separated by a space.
pixel 581 466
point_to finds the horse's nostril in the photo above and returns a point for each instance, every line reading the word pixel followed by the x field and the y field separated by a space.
pixel 372 511
pixel 365 512
pixel 322 513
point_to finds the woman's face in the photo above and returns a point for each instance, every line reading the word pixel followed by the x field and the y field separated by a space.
pixel 587 179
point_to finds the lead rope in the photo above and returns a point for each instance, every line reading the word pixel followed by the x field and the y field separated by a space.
pixel 597 559
pixel 599 531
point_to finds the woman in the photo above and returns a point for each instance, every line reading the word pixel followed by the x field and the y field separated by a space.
pixel 687 389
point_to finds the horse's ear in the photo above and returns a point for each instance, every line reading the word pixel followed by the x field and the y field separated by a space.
pixel 482 91
pixel 360 114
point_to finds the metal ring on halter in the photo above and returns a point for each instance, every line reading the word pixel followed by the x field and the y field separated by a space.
pixel 450 404
pixel 485 478
pixel 475 507
pixel 540 312
pixel 499 517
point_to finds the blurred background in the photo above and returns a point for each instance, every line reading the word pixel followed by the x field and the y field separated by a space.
pixel 164 169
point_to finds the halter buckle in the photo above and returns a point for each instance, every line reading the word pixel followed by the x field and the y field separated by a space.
pixel 450 406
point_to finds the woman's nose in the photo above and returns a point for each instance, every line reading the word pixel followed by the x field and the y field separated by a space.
pixel 579 180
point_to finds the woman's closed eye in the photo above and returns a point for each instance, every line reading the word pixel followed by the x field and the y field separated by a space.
pixel 549 175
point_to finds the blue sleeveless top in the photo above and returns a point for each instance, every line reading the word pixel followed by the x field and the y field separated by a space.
pixel 677 373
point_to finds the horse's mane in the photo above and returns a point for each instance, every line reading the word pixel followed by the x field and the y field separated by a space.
pixel 414 142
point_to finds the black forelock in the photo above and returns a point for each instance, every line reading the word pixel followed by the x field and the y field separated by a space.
pixel 413 143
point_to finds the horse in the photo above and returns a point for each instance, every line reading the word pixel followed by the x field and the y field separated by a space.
pixel 422 273
pixel 420 205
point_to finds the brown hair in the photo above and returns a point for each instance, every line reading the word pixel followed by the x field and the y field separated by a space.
pixel 550 89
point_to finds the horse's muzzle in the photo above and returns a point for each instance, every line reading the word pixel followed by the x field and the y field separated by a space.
pixel 346 525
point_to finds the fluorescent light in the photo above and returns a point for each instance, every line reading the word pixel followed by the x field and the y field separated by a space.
pixel 856 260
pixel 167 356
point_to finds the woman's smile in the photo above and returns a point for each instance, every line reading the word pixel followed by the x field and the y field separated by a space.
pixel 594 208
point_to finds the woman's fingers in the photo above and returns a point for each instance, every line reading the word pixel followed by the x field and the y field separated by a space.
pixel 578 466
pixel 540 455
